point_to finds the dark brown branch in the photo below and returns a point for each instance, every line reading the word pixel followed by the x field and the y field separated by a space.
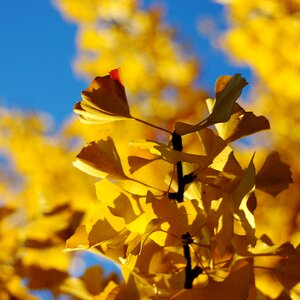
pixel 190 274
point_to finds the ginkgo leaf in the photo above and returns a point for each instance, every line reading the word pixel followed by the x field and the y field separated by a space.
pixel 241 123
pixel 100 159
pixel 170 155
pixel 227 90
pixel 245 186
pixel 214 177
pixel 274 176
pixel 79 240
pixel 212 143
pixel 224 230
pixel 118 202
pixel 75 287
pixel 151 227
pixel 92 279
pixel 104 230
pixel 104 100
pixel 136 162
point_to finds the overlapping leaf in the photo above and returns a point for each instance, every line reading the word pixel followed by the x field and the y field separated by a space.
pixel 100 159
pixel 241 123
pixel 227 90
pixel 170 155
pixel 274 176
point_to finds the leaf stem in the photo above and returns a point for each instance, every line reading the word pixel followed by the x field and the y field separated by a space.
pixel 154 126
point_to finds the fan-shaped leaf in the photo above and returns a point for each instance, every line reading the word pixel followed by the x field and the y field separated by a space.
pixel 227 89
pixel 241 123
pixel 104 100
pixel 274 176
pixel 100 159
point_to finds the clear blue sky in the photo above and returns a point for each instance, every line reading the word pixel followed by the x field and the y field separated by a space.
pixel 37 48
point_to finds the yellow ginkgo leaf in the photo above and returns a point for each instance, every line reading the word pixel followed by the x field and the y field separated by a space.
pixel 104 100
pixel 100 159
pixel 170 155
pixel 79 240
pixel 227 89
pixel 241 123
pixel 136 162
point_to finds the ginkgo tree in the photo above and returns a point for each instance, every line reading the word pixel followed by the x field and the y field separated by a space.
pixel 189 231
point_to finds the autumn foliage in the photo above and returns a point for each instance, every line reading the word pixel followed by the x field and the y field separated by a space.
pixel 163 192
pixel 189 232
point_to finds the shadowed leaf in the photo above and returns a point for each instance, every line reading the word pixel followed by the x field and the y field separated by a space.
pixel 227 89
pixel 136 162
pixel 170 155
pixel 241 123
pixel 274 176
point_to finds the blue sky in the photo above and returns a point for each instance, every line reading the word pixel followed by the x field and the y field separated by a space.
pixel 38 46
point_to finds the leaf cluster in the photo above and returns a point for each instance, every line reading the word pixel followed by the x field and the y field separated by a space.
pixel 194 235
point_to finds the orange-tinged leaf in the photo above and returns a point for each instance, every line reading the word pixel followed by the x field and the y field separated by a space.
pixel 104 100
pixel 228 89
pixel 100 159
pixel 274 176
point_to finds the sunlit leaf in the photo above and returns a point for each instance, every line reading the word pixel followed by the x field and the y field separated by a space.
pixel 79 240
pixel 104 100
pixel 224 230
pixel 227 90
pixel 274 176
pixel 100 159
pixel 170 155
pixel 245 186
pixel 212 143
pixel 241 123
pixel 119 203
pixel 136 162
pixel 76 287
